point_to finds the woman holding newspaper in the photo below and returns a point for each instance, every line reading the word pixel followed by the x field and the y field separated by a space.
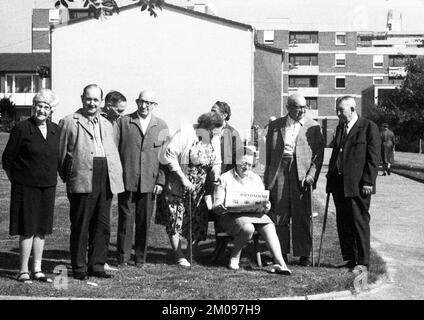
pixel 241 218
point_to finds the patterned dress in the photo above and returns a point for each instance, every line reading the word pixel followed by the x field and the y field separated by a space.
pixel 202 158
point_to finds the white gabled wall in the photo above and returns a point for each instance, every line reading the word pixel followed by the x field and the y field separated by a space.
pixel 189 61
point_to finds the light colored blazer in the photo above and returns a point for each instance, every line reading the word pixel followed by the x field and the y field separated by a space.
pixel 76 150
pixel 309 150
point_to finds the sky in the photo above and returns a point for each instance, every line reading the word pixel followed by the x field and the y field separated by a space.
pixel 348 14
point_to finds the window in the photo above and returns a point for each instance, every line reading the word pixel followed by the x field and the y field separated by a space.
pixel 340 38
pixel 312 103
pixel 377 80
pixel 303 60
pixel 268 36
pixel 340 82
pixel 54 15
pixel 378 61
pixel 23 83
pixel 303 37
pixel 303 81
pixel 340 60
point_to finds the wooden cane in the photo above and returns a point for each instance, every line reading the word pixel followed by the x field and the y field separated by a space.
pixel 190 230
pixel 148 222
pixel 323 227
pixel 311 224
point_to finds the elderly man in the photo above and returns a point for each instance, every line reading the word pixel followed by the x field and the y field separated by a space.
pixel 139 137
pixel 115 105
pixel 89 164
pixel 351 178
pixel 294 156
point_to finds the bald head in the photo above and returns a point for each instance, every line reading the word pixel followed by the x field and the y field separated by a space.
pixel 296 106
pixel 146 102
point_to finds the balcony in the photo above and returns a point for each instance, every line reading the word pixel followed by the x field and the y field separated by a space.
pixel 397 72
pixel 303 47
pixel 20 99
pixel 304 91
pixel 303 70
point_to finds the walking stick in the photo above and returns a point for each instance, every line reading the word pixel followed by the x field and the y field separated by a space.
pixel 190 230
pixel 323 227
pixel 311 224
pixel 149 220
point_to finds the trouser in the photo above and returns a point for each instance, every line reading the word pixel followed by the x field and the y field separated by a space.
pixel 142 212
pixel 289 202
pixel 90 222
pixel 353 223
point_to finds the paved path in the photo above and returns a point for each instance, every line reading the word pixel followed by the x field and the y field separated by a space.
pixel 397 233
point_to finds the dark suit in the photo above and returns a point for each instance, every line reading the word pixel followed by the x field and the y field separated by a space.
pixel 360 156
pixel 139 157
pixel 283 177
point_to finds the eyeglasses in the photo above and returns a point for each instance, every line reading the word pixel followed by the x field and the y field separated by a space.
pixel 147 103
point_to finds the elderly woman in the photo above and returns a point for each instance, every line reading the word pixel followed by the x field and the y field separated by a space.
pixel 189 156
pixel 230 138
pixel 242 225
pixel 30 161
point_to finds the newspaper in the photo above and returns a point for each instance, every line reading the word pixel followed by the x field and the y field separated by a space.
pixel 246 201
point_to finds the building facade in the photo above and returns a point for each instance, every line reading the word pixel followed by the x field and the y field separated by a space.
pixel 323 65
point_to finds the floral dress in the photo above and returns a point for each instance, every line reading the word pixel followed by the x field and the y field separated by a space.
pixel 202 158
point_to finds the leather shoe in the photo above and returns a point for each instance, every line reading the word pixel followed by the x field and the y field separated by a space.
pixel 100 274
pixel 304 261
pixel 80 276
pixel 345 264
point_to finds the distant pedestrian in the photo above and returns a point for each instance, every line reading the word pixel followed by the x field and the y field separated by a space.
pixel 387 148
pixel 351 178
pixel 30 161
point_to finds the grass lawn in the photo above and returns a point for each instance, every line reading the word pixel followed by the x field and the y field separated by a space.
pixel 160 278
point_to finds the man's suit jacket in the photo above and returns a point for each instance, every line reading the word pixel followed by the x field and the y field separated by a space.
pixel 361 154
pixel 31 159
pixel 309 150
pixel 139 152
pixel 76 152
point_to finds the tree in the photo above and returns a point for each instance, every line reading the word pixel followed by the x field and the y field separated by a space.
pixel 101 8
pixel 7 108
pixel 403 109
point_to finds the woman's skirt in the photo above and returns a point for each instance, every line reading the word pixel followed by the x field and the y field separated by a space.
pixel 31 210
pixel 232 223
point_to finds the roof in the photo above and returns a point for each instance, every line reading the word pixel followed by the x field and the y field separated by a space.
pixel 268 48
pixel 172 7
pixel 23 62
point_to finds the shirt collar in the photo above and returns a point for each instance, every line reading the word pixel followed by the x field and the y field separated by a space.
pixel 147 119
pixel 292 121
pixel 350 124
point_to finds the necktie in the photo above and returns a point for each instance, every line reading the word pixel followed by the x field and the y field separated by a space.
pixel 341 146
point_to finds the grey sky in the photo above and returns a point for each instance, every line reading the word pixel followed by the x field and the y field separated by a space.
pixel 348 14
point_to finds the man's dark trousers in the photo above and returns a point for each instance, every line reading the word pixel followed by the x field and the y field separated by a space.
pixel 90 221
pixel 142 212
pixel 352 216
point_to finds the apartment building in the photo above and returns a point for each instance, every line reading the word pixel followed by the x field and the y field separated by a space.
pixel 325 64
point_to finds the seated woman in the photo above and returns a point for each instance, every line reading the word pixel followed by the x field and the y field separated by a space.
pixel 241 226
